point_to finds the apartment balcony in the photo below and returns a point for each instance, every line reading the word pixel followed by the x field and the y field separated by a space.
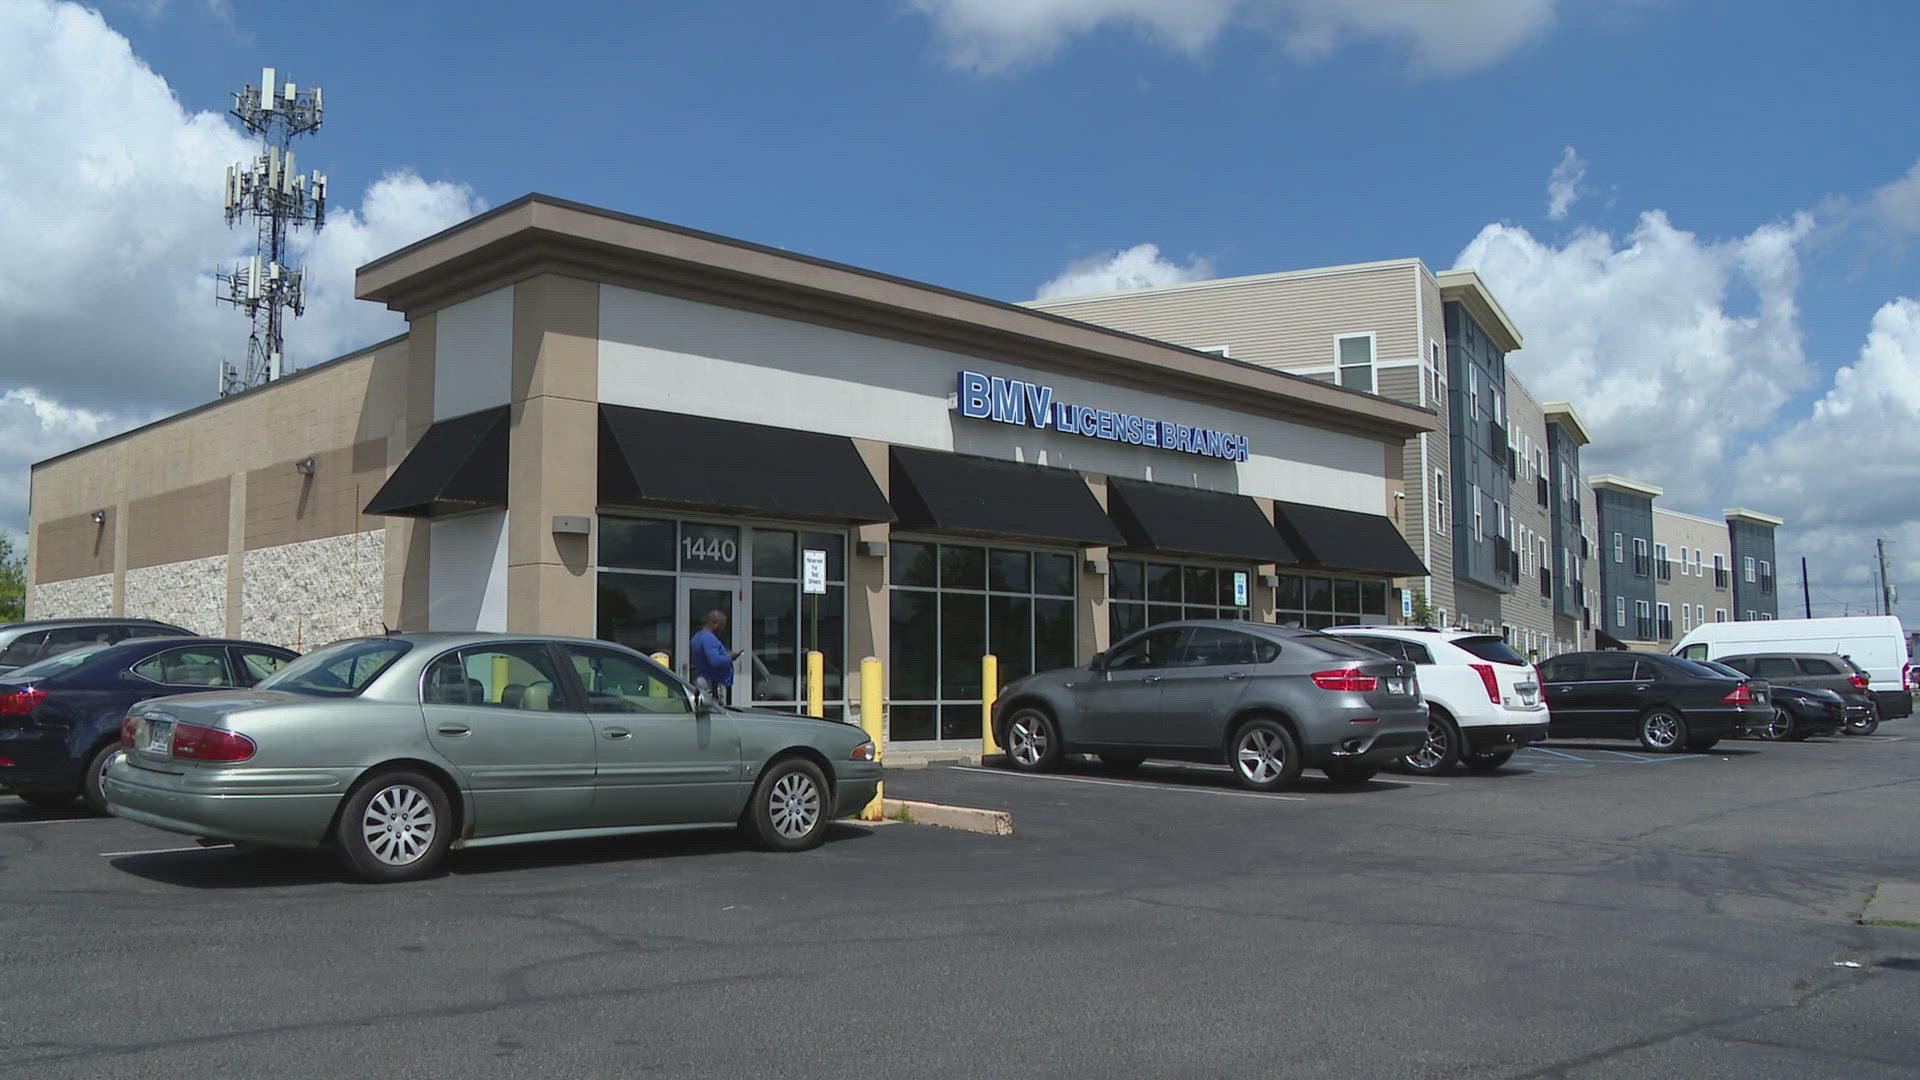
pixel 1586 617
pixel 1586 549
pixel 1573 503
pixel 1666 629
pixel 1643 628
pixel 1766 583
pixel 1642 565
pixel 1719 578
pixel 1663 570
pixel 1541 494
pixel 1546 583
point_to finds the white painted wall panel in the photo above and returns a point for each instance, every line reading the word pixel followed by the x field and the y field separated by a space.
pixel 467 573
pixel 661 352
pixel 473 354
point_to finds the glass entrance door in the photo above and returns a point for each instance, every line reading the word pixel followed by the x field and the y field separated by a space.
pixel 700 597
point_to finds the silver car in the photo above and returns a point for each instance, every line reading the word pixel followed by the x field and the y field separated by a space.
pixel 1265 700
pixel 393 750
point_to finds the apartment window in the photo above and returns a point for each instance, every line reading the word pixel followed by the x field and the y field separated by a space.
pixel 1439 501
pixel 1479 526
pixel 1641 564
pixel 1766 576
pixel 1354 354
pixel 1719 614
pixel 1698 566
pixel 1642 620
pixel 1618 550
pixel 1500 519
pixel 1686 617
pixel 1665 614
pixel 1699 614
pixel 1473 392
pixel 1683 562
pixel 1750 617
pixel 1749 568
pixel 1719 572
pixel 1439 363
pixel 1620 612
pixel 1766 616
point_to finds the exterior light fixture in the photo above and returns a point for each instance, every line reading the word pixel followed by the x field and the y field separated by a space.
pixel 99 517
pixel 304 466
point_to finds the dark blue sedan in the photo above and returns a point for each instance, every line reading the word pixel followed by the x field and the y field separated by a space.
pixel 60 717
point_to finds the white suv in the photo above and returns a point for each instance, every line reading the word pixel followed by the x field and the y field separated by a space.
pixel 1483 699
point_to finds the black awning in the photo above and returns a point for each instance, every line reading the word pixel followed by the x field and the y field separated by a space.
pixel 1188 521
pixel 458 465
pixel 649 458
pixel 986 497
pixel 1346 540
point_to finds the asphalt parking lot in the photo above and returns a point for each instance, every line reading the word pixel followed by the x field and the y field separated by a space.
pixel 1589 912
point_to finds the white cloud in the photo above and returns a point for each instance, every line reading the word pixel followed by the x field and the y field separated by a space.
pixel 1897 205
pixel 113 232
pixel 1138 267
pixel 1847 472
pixel 1646 338
pixel 1563 187
pixel 991 36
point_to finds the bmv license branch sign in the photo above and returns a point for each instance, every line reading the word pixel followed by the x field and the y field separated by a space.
pixel 1016 401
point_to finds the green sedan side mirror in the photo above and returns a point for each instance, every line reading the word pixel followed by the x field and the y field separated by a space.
pixel 703 703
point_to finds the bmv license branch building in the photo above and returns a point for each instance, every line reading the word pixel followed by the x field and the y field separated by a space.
pixel 607 426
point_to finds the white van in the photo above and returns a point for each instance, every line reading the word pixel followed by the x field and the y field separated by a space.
pixel 1874 642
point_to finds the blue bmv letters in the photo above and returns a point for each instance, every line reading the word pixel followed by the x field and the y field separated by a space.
pixel 1016 401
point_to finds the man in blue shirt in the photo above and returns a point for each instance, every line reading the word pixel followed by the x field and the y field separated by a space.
pixel 711 660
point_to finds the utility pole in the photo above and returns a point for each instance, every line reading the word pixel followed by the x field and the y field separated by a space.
pixel 1806 595
pixel 1886 586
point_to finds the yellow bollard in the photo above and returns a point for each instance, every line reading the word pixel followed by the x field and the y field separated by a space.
pixel 656 688
pixel 816 684
pixel 989 692
pixel 871 718
pixel 499 678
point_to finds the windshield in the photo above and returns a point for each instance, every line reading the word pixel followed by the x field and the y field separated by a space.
pixel 1706 669
pixel 341 670
pixel 1490 648
pixel 54 665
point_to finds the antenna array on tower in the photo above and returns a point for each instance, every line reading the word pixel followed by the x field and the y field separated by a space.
pixel 279 198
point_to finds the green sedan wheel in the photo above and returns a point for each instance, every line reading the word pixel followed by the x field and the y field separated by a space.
pixel 395 827
pixel 791 806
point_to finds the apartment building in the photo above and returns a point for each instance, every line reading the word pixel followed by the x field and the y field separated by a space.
pixel 1395 329
pixel 1569 519
pixel 1691 581
pixel 1750 535
pixel 1626 560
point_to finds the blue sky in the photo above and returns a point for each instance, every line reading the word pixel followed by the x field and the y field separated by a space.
pixel 988 145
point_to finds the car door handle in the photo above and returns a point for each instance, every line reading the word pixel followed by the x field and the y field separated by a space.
pixel 1639 688
pixel 1236 674
pixel 1151 678
pixel 617 733
pixel 455 730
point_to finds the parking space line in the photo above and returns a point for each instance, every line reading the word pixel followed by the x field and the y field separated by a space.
pixel 1556 753
pixel 166 850
pixel 1629 757
pixel 1404 780
pixel 1128 784
pixel 47 821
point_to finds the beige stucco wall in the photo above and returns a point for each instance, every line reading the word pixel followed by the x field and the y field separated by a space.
pixel 187 499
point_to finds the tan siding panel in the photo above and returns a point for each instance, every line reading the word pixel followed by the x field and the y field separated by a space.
pixel 190 523
pixel 72 547
pixel 1287 322
pixel 286 507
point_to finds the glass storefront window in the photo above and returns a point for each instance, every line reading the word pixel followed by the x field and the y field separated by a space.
pixel 1318 602
pixel 953 603
pixel 643 563
pixel 1171 591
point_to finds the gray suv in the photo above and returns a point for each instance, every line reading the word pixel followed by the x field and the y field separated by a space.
pixel 1264 700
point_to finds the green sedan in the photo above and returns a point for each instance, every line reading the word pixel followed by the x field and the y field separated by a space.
pixel 395 750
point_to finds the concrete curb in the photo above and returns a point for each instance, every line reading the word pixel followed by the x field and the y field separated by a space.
pixel 1893 903
pixel 964 818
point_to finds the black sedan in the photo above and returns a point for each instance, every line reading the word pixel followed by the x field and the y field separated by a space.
pixel 1666 702
pixel 60 717
pixel 1799 712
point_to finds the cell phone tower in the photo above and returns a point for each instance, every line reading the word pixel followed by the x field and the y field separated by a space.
pixel 279 199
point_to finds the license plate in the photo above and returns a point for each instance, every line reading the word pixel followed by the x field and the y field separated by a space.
pixel 1529 693
pixel 160 736
pixel 1396 686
